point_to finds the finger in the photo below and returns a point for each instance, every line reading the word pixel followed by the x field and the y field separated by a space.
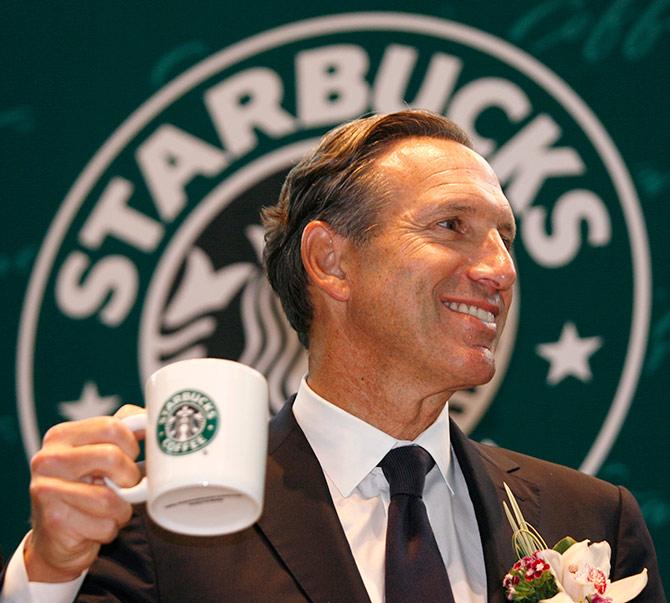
pixel 93 431
pixel 74 463
pixel 52 495
pixel 100 530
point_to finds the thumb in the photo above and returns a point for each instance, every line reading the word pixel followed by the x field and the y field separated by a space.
pixel 127 410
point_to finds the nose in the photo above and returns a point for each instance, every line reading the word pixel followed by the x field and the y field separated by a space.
pixel 493 265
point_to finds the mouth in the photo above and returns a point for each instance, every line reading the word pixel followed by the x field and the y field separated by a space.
pixel 471 310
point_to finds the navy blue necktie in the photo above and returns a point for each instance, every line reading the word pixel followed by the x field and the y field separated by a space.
pixel 415 572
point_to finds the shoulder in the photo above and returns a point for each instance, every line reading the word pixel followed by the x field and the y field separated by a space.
pixel 546 474
pixel 567 501
pixel 565 497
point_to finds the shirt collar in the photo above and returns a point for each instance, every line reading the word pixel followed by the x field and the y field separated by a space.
pixel 348 448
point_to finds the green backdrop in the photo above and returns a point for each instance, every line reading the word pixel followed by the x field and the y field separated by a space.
pixel 179 120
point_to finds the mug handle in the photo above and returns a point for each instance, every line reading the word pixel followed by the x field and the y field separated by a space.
pixel 138 492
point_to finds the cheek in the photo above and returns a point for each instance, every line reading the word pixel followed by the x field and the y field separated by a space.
pixel 507 301
pixel 508 298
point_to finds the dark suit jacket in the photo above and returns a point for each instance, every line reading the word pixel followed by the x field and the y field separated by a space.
pixel 298 552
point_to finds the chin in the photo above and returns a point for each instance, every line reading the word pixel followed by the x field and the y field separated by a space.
pixel 488 376
pixel 479 370
pixel 481 377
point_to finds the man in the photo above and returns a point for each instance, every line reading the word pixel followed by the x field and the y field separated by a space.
pixel 390 251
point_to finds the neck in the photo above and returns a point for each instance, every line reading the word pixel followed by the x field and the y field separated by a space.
pixel 397 404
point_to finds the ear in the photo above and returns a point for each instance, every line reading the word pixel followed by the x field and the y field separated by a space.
pixel 321 251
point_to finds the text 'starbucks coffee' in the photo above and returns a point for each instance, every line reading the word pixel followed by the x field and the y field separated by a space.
pixel 154 255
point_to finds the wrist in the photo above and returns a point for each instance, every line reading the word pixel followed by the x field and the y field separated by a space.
pixel 39 569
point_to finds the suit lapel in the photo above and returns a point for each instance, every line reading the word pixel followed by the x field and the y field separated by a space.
pixel 485 470
pixel 300 520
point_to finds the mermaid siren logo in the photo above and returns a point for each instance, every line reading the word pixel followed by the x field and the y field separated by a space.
pixel 199 303
pixel 187 422
pixel 160 237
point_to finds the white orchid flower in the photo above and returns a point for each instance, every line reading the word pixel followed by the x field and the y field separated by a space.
pixel 583 571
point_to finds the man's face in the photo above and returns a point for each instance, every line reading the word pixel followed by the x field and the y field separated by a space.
pixel 431 289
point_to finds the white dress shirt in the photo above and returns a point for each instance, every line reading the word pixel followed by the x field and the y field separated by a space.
pixel 349 450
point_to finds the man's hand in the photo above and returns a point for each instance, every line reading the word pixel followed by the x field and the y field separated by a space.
pixel 73 512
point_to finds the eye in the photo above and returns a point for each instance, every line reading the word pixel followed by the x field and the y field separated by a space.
pixel 507 240
pixel 454 224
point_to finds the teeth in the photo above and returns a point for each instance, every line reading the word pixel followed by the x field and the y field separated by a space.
pixel 475 311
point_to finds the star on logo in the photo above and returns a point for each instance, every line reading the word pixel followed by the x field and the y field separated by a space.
pixel 569 356
pixel 90 404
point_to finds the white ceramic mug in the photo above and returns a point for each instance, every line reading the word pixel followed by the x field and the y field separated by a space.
pixel 206 441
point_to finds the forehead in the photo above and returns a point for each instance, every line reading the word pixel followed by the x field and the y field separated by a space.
pixel 421 171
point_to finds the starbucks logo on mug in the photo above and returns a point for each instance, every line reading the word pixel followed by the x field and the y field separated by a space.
pixel 186 423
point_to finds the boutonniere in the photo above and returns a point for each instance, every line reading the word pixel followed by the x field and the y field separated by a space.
pixel 570 572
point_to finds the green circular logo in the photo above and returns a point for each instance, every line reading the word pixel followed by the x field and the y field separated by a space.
pixel 154 255
pixel 187 422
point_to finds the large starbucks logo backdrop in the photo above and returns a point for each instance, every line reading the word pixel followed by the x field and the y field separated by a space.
pixel 154 254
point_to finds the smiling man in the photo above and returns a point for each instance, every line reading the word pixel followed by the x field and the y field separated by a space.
pixel 390 251
pixel 431 281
